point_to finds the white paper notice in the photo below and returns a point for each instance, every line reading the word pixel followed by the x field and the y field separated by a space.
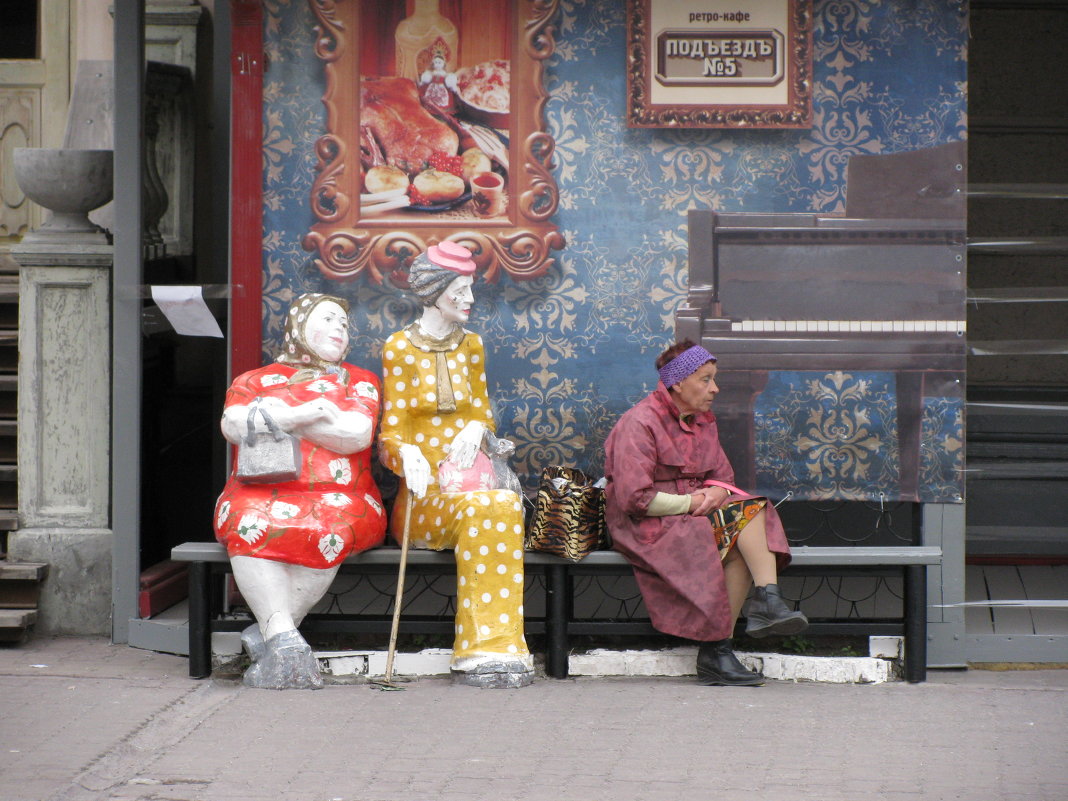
pixel 185 309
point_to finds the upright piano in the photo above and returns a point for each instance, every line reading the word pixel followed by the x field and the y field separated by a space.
pixel 880 289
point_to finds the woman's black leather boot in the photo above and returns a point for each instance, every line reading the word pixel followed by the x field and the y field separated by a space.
pixel 717 665
pixel 767 614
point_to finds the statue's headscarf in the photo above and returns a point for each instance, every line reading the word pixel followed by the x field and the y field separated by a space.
pixel 296 352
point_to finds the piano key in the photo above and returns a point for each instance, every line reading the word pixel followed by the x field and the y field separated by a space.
pixel 848 326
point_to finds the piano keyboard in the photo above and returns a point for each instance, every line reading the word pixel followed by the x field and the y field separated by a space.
pixel 851 326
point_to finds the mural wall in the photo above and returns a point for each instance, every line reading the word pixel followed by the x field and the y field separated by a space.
pixel 569 352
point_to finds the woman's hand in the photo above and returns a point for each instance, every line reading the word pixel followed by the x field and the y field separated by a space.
pixel 235 419
pixel 706 500
pixel 293 418
pixel 416 469
pixel 465 445
pixel 322 422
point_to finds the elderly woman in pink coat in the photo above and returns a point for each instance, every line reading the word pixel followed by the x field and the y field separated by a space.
pixel 696 548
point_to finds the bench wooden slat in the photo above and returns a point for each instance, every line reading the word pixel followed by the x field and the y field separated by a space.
pixel 803 555
pixel 215 552
pixel 824 556
pixel 866 555
pixel 199 552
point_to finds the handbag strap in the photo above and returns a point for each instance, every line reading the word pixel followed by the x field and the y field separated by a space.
pixel 733 490
pixel 272 426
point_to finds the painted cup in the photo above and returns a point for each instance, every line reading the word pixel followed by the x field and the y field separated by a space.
pixel 487 194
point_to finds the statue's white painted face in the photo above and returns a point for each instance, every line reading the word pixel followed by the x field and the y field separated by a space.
pixel 455 302
pixel 327 331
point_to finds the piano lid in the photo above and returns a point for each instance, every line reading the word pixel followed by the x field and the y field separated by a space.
pixel 809 267
pixel 927 184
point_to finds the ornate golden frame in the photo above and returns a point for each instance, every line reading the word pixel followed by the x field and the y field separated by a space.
pixel 382 247
pixel 704 112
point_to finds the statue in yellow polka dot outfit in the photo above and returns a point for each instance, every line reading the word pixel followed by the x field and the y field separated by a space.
pixel 436 405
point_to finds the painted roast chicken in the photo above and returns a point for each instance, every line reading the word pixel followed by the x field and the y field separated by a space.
pixel 408 134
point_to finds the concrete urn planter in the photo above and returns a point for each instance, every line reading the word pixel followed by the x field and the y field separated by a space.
pixel 70 183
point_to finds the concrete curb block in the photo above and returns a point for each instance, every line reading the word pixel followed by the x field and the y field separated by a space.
pixel 429 662
pixel 605 663
pixel 826 669
pixel 783 667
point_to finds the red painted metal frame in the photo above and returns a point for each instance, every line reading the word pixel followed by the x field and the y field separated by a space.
pixel 246 187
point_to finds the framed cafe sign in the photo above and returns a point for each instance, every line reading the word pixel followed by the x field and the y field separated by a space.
pixel 747 64
pixel 434 131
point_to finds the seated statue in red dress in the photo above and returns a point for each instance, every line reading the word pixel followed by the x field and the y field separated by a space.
pixel 288 526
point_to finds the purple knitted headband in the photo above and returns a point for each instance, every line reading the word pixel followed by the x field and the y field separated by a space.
pixel 684 365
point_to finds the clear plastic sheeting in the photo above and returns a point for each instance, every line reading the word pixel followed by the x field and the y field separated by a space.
pixel 841 339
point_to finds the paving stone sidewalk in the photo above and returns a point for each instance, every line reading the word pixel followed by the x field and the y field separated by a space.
pixel 82 720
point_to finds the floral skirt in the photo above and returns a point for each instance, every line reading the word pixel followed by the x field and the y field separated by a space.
pixel 729 520
pixel 297 524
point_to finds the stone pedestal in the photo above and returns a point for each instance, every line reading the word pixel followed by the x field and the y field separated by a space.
pixel 64 432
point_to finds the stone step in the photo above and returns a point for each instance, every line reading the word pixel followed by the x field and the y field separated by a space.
pixel 14 622
pixel 20 584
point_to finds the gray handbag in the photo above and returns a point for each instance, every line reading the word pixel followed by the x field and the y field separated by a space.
pixel 267 457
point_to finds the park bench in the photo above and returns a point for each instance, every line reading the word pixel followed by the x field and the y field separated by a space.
pixel 208 562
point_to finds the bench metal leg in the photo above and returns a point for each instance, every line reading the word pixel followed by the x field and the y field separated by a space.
pixel 199 620
pixel 916 623
pixel 556 617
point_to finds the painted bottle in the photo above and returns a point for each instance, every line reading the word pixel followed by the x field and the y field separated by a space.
pixel 421 37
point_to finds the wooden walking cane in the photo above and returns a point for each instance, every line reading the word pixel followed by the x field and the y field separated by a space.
pixel 387 682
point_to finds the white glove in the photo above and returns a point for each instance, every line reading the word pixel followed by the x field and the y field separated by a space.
pixel 466 444
pixel 416 469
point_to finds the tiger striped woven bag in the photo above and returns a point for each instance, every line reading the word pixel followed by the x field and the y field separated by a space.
pixel 568 517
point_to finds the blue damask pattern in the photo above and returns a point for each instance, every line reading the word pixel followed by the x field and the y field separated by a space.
pixel 569 352
pixel 942 450
pixel 828 435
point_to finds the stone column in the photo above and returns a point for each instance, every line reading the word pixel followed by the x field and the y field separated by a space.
pixel 64 414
